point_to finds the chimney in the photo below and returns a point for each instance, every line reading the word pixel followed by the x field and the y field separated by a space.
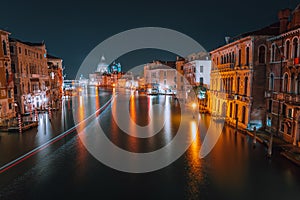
pixel 283 16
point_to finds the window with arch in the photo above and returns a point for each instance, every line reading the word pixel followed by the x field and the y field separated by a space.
pixel 246 86
pixel 238 85
pixel 262 54
pixel 244 115
pixel 285 82
pixel 4 47
pixel 271 82
pixel 295 48
pixel 240 57
pixel 247 56
pixel 287 49
pixel 273 53
pixel 293 83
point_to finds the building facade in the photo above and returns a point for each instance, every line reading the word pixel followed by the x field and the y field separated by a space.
pixel 283 78
pixel 31 79
pixel 238 78
pixel 197 72
pixel 55 73
pixel 7 106
pixel 161 74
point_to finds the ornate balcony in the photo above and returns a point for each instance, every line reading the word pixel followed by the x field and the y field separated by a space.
pixel 226 66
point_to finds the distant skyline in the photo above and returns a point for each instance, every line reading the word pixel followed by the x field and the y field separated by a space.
pixel 72 30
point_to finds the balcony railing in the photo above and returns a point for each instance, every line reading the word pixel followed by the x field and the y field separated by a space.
pixel 226 66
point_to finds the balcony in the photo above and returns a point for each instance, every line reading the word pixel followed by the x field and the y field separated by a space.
pixel 293 62
pixel 227 66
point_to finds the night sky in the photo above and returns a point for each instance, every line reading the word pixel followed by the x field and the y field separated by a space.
pixel 72 29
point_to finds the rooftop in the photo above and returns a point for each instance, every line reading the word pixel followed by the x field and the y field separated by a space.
pixel 53 57
pixel 27 43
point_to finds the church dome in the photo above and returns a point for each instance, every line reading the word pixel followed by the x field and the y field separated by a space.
pixel 102 66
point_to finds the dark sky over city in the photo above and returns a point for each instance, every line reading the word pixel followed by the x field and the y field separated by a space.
pixel 72 29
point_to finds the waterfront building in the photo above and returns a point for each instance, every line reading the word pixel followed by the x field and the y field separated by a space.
pixel 31 78
pixel 7 106
pixel 283 78
pixel 55 71
pixel 197 72
pixel 161 75
pixel 238 76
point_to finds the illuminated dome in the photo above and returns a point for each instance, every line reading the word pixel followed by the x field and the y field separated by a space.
pixel 102 66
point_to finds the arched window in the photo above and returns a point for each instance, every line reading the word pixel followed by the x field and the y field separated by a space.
pixel 287 49
pixel 262 54
pixel 246 86
pixel 244 115
pixel 238 85
pixel 231 85
pixel 271 82
pixel 295 48
pixel 247 56
pixel 273 53
pixel 293 83
pixel 240 57
pixel 4 47
pixel 285 82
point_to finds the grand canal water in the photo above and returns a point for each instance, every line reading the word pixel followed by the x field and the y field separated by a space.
pixel 66 170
